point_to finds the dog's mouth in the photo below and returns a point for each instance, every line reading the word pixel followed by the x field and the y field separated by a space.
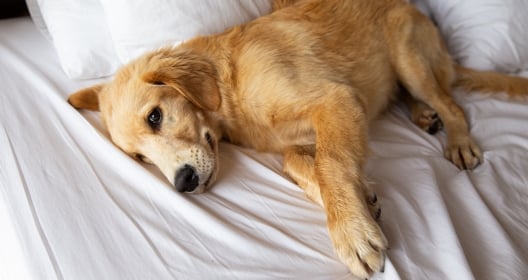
pixel 213 145
pixel 208 181
pixel 203 187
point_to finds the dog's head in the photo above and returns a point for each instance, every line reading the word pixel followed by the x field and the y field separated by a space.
pixel 156 109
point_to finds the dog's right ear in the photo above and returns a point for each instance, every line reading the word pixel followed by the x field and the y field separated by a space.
pixel 191 75
pixel 87 98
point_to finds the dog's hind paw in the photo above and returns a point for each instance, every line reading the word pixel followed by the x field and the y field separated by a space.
pixel 427 119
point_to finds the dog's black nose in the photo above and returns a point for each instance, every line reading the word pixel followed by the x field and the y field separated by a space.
pixel 186 179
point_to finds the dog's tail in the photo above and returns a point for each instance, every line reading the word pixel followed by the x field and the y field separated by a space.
pixel 491 82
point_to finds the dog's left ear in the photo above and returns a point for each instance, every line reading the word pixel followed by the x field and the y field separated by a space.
pixel 191 76
pixel 87 98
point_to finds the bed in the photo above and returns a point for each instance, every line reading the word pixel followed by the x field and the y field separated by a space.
pixel 73 206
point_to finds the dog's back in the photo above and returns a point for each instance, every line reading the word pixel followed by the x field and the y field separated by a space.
pixel 283 55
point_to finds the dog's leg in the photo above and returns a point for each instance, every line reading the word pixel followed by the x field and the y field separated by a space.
pixel 427 72
pixel 340 124
pixel 422 115
pixel 299 165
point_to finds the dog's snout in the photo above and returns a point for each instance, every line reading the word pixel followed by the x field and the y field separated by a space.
pixel 186 179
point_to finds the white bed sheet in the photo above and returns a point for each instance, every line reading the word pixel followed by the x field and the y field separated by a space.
pixel 72 206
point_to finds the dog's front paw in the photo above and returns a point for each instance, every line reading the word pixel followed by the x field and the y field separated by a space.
pixel 361 245
pixel 464 153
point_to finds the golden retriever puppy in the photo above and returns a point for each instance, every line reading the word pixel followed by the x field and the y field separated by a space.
pixel 304 82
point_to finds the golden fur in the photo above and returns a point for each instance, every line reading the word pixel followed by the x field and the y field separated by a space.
pixel 303 81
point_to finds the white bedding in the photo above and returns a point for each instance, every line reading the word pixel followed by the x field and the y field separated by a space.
pixel 73 206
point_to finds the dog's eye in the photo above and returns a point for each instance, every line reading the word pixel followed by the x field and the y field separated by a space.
pixel 154 118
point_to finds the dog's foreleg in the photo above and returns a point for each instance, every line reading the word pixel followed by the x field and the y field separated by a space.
pixel 299 165
pixel 340 124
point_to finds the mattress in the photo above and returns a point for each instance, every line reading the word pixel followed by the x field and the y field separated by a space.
pixel 73 206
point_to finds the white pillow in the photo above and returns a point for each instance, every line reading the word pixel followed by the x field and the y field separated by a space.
pixel 484 34
pixel 36 16
pixel 80 35
pixel 141 25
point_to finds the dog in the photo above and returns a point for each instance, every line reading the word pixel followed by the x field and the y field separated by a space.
pixel 304 82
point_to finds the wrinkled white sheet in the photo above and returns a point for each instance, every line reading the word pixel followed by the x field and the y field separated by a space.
pixel 72 206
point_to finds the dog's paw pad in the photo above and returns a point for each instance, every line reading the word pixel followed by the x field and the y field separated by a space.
pixel 434 124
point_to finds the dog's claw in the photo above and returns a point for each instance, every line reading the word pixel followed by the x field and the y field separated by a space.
pixel 378 214
pixel 374 207
pixel 374 199
pixel 466 155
